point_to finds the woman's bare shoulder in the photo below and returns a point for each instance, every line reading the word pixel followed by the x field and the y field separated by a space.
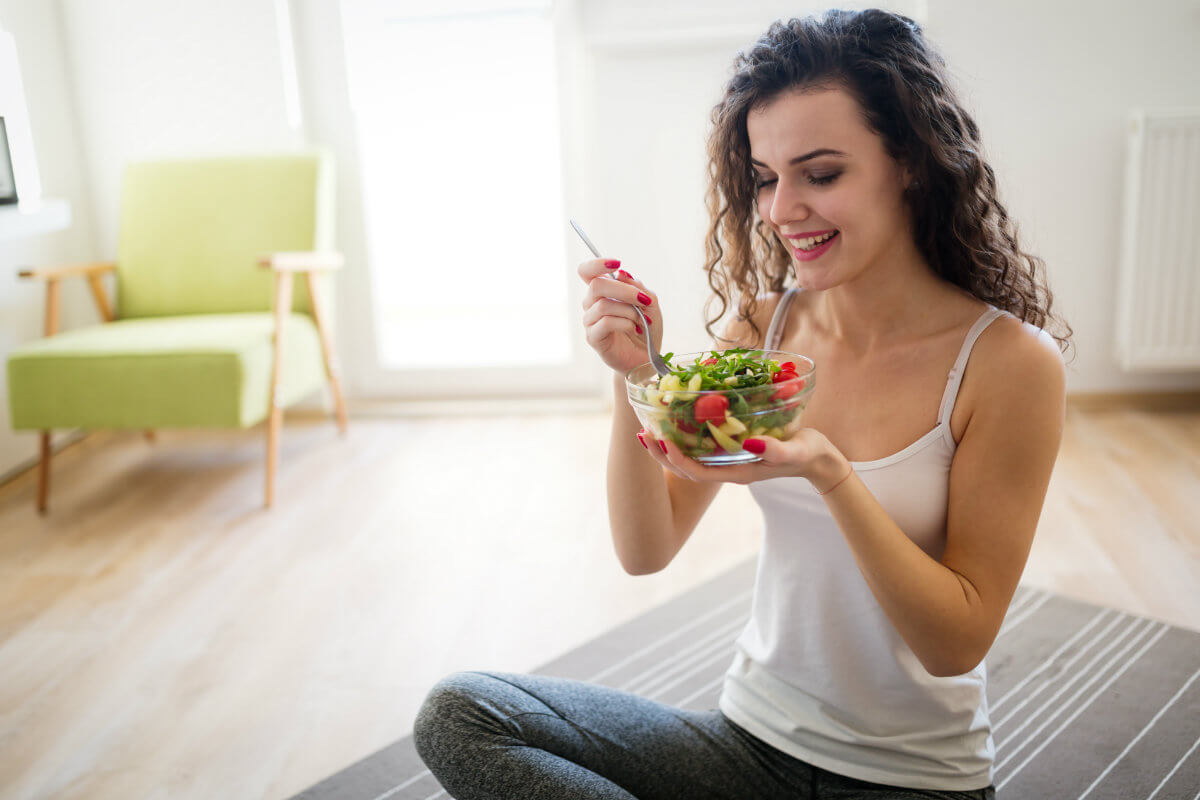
pixel 1015 353
pixel 1008 342
pixel 738 332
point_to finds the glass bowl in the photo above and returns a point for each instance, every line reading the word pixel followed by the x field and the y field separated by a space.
pixel 711 431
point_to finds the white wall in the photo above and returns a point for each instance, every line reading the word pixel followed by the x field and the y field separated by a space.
pixel 36 29
pixel 1052 84
pixel 186 77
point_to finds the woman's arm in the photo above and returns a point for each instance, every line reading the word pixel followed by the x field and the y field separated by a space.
pixel 949 612
pixel 651 510
pixel 654 507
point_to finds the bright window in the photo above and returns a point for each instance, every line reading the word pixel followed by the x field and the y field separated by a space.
pixel 458 125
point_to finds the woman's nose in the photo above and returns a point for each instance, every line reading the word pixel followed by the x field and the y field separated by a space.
pixel 787 205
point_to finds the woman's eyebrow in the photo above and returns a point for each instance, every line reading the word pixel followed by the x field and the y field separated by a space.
pixel 824 151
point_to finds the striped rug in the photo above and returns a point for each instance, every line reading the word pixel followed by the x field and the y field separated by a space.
pixel 1086 702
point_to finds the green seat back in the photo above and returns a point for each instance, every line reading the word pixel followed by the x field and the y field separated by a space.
pixel 191 231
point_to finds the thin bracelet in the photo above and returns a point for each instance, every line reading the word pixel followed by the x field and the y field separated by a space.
pixel 839 483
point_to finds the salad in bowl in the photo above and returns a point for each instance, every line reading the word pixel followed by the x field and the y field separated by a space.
pixel 713 401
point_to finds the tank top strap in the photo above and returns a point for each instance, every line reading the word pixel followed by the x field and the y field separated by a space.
pixel 956 374
pixel 779 319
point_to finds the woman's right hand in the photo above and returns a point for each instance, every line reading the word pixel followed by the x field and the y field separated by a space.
pixel 611 326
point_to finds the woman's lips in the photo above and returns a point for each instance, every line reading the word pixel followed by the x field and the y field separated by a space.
pixel 816 252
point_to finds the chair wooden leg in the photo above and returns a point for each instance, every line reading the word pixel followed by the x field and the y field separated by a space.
pixel 339 403
pixel 283 307
pixel 273 425
pixel 327 352
pixel 43 490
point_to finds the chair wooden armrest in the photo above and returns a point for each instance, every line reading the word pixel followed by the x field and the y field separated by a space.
pixel 52 276
pixel 302 262
pixel 55 273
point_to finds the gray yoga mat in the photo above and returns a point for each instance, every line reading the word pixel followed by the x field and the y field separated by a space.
pixel 1086 702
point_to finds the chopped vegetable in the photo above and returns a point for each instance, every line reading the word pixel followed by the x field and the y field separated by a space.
pixel 708 406
pixel 730 445
pixel 712 408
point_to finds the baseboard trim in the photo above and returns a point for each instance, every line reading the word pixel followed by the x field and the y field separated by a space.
pixel 28 464
pixel 1134 401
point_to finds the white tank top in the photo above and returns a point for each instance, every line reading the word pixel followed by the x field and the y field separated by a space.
pixel 819 671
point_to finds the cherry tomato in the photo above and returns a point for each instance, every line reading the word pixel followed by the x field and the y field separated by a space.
pixel 788 389
pixel 783 376
pixel 711 408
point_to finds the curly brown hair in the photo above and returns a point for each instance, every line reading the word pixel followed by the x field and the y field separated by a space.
pixel 902 85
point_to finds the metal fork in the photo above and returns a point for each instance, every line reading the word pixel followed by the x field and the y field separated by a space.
pixel 660 366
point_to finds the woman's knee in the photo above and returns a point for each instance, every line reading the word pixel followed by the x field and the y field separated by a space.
pixel 443 704
pixel 452 710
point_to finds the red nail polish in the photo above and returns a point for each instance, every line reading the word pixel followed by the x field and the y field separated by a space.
pixel 637 327
pixel 623 275
pixel 756 446
pixel 644 298
pixel 662 446
pixel 649 321
pixel 642 440
pixel 612 263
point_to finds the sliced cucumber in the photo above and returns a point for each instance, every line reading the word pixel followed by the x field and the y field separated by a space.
pixel 733 426
pixel 722 439
pixel 670 383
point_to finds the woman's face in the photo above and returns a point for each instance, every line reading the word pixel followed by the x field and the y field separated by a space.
pixel 821 173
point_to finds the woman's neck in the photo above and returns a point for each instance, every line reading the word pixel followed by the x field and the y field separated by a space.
pixel 889 302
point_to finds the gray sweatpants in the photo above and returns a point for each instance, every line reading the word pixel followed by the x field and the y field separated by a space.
pixel 505 736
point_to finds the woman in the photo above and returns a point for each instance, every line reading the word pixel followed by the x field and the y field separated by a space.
pixel 897 523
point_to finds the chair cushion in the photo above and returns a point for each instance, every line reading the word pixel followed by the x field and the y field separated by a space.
pixel 205 370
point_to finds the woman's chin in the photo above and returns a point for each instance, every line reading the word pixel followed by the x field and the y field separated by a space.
pixel 812 278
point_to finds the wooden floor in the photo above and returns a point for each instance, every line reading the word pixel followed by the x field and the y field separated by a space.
pixel 162 636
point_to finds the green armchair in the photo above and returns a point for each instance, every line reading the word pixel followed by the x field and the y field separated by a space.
pixel 207 330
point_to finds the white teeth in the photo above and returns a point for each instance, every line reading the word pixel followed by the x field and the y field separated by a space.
pixel 812 241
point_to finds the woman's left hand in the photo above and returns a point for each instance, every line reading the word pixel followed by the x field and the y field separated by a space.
pixel 808 454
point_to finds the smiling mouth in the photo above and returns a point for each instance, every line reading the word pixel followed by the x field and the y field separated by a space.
pixel 814 242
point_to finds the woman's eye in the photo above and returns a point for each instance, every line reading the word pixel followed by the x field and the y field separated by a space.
pixel 816 180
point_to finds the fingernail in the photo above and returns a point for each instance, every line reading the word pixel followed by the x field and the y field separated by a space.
pixel 642 440
pixel 649 321
pixel 662 446
pixel 624 275
pixel 612 263
pixel 644 298
pixel 637 327
pixel 756 446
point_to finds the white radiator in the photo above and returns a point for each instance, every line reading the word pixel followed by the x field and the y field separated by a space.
pixel 1158 287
